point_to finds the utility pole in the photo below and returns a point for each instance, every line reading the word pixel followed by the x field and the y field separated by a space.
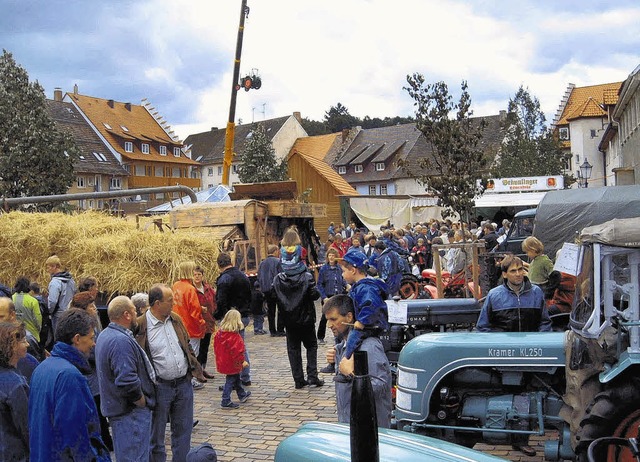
pixel 231 126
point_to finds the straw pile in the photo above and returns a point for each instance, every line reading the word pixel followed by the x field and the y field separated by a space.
pixel 124 259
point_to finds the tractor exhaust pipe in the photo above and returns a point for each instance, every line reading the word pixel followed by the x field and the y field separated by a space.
pixel 363 421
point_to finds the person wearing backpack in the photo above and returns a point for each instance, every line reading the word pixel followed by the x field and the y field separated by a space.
pixel 61 289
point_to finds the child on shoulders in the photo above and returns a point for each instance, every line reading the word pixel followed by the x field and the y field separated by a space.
pixel 368 295
pixel 291 258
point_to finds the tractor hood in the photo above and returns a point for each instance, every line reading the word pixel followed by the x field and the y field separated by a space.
pixel 324 442
pixel 427 359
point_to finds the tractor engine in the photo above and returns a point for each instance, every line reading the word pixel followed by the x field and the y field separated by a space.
pixel 499 388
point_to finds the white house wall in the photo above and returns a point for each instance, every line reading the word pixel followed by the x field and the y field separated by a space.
pixel 583 145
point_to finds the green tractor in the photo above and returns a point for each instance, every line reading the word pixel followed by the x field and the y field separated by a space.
pixel 499 388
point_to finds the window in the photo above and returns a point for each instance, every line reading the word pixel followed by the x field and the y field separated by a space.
pixel 234 169
pixel 100 157
pixel 219 171
pixel 106 125
pixel 125 129
pixel 159 171
pixel 91 181
pixel 163 150
pixel 593 133
pixel 139 170
pixel 372 190
pixel 379 166
pixel 80 182
pixel 144 148
pixel 116 183
pixel 383 189
pixel 176 172
pixel 127 167
pixel 176 152
pixel 342 170
pixel 564 133
pixel 128 146
pixel 210 171
pixel 358 169
pixel 209 186
pixel 148 170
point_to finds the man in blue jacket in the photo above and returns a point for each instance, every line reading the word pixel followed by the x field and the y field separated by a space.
pixel 127 383
pixel 515 306
pixel 63 419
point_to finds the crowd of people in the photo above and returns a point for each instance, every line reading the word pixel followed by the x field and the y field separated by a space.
pixel 73 389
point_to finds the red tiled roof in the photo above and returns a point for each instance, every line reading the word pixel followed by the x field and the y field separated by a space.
pixel 589 101
pixel 140 126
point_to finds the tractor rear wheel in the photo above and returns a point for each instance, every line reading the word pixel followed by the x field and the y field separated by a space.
pixel 613 412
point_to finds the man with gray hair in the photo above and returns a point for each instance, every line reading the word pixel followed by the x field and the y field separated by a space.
pixel 127 383
pixel 141 302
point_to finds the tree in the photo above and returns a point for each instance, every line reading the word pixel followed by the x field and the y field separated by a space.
pixel 258 162
pixel 529 148
pixel 36 158
pixel 456 161
pixel 337 118
pixel 313 127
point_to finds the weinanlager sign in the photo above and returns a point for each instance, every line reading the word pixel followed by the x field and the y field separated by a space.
pixel 525 183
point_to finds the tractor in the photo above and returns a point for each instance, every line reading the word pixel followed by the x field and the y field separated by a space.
pixel 499 388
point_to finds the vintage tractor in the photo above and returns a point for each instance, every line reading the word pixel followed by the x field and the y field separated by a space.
pixel 501 387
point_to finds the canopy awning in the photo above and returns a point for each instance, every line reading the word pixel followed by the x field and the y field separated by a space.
pixel 510 199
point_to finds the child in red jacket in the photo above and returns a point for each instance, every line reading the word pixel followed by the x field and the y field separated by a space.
pixel 229 349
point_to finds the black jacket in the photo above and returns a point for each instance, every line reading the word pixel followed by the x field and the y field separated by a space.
pixel 233 291
pixel 295 294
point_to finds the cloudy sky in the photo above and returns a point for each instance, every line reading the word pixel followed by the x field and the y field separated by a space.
pixel 313 54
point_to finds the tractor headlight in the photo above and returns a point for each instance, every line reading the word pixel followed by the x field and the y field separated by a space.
pixel 403 399
pixel 407 379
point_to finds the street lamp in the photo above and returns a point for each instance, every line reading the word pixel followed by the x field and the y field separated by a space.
pixel 585 173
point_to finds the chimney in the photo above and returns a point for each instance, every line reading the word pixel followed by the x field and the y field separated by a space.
pixel 75 88
pixel 503 114
pixel 345 134
pixel 297 116
pixel 57 94
pixel 213 129
pixel 127 106
pixel 110 103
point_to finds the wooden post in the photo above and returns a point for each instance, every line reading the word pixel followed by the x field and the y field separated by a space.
pixel 436 260
pixel 475 270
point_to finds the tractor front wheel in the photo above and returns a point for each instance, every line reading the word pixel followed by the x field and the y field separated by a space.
pixel 613 412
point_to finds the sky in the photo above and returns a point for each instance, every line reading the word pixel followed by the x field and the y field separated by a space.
pixel 179 54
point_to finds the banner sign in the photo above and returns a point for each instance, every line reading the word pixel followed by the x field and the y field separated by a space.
pixel 527 183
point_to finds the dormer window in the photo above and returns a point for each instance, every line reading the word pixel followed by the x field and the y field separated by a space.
pixel 106 125
pixel 564 133
pixel 358 168
pixel 342 170
pixel 163 150
pixel 379 166
pixel 124 129
pixel 128 146
pixel 144 148
pixel 176 152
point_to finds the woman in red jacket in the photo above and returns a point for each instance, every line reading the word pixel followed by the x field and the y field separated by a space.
pixel 207 299
pixel 229 349
pixel 187 306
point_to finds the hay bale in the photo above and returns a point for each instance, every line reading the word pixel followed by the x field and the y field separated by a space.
pixel 123 258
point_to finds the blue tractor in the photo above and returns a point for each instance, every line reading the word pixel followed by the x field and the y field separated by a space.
pixel 499 388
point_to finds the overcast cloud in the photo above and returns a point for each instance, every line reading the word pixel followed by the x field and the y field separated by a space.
pixel 311 55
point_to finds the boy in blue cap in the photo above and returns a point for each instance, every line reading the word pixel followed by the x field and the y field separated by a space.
pixel 368 295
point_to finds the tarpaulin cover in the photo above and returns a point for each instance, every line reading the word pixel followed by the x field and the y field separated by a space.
pixel 376 211
pixel 623 232
pixel 561 215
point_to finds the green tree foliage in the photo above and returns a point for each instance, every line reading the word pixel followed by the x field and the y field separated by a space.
pixel 258 161
pixel 337 118
pixel 529 148
pixel 35 157
pixel 456 160
pixel 313 127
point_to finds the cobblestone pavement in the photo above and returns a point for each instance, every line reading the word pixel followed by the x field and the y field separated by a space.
pixel 276 409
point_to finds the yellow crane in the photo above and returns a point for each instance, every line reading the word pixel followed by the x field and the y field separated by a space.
pixel 248 82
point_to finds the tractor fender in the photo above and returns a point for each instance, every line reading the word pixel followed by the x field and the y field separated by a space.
pixel 427 359
pixel 627 360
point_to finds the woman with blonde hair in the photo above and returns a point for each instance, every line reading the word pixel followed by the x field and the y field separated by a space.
pixel 187 306
pixel 14 393
pixel 230 359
